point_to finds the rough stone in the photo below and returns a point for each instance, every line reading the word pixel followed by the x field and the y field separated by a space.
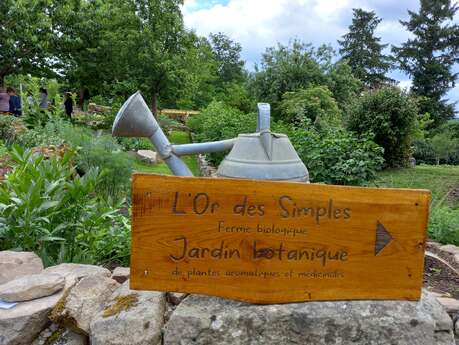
pixel 439 294
pixel 78 271
pixel 30 287
pixel 148 156
pixel 18 264
pixel 121 274
pixel 21 324
pixel 48 332
pixel 451 305
pixel 84 301
pixel 131 317
pixel 450 248
pixel 211 320
pixel 175 298
pixel 456 258
pixel 56 335
pixel 434 244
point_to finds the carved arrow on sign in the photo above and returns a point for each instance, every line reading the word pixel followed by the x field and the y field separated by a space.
pixel 383 238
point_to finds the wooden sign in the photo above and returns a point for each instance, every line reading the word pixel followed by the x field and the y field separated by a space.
pixel 277 242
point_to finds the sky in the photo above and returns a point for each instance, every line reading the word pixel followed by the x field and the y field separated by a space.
pixel 258 24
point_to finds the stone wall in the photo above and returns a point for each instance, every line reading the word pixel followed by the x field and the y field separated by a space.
pixel 205 167
pixel 81 304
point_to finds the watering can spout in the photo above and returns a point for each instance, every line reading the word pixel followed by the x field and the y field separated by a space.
pixel 135 119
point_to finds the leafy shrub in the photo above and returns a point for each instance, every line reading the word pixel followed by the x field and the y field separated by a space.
pixel 445 147
pixel 332 155
pixel 453 127
pixel 134 144
pixel 315 104
pixel 444 225
pixel 7 129
pixel 168 124
pixel 424 152
pixel 219 121
pixel 45 207
pixel 115 165
pixel 93 121
pixel 237 96
pixel 102 152
pixel 337 156
pixel 391 115
pixel 49 134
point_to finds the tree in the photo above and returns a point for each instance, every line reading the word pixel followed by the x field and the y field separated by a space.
pixel 231 77
pixel 341 81
pixel 159 46
pixel 429 56
pixel 300 66
pixel 230 67
pixel 313 105
pixel 392 116
pixel 124 45
pixel 284 69
pixel 80 47
pixel 198 77
pixel 363 50
pixel 25 33
pixel 444 145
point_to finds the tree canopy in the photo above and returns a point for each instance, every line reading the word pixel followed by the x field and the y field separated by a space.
pixel 364 51
pixel 300 66
pixel 429 56
pixel 25 37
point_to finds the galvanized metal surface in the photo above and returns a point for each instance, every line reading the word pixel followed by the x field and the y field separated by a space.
pixel 248 159
pixel 136 120
pixel 262 155
pixel 215 146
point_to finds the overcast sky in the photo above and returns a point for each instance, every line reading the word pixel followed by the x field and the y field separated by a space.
pixel 257 24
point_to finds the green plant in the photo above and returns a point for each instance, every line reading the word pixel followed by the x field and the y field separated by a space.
pixel 134 144
pixel 337 156
pixel 115 165
pixel 445 146
pixel 102 152
pixel 316 104
pixel 168 124
pixel 392 115
pixel 7 129
pixel 444 224
pixel 219 121
pixel 47 208
pixel 424 152
pixel 49 134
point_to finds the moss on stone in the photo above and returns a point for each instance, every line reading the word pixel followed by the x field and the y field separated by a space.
pixel 121 303
pixel 56 314
pixel 54 337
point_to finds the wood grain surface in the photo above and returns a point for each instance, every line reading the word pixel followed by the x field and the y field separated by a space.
pixel 277 242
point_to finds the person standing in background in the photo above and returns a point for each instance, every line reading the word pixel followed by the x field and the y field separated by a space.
pixel 68 103
pixel 15 102
pixel 43 99
pixel 4 101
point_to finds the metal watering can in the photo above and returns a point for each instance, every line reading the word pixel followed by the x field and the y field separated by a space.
pixel 261 155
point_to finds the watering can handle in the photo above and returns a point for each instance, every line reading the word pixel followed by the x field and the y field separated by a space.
pixel 264 117
pixel 264 127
